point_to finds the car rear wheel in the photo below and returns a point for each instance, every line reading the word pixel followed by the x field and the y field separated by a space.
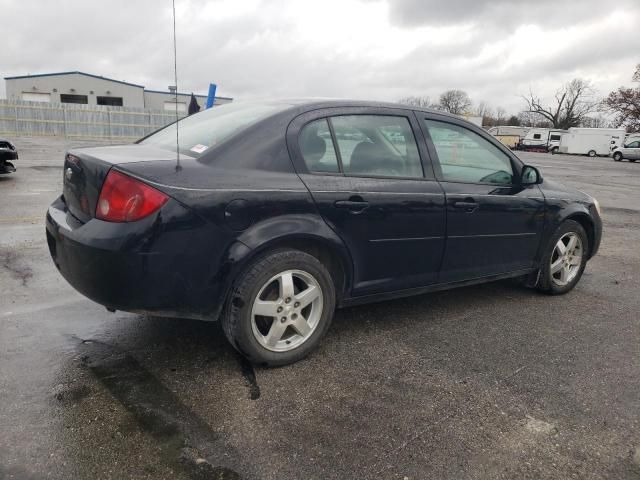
pixel 617 157
pixel 592 153
pixel 565 259
pixel 280 308
pixel 632 160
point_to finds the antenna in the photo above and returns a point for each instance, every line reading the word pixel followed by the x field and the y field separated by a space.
pixel 175 78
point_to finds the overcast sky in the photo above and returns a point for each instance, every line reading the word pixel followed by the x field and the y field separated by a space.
pixel 496 50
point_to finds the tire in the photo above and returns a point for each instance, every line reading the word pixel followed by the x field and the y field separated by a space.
pixel 592 153
pixel 260 287
pixel 553 283
pixel 632 160
pixel 554 150
pixel 617 157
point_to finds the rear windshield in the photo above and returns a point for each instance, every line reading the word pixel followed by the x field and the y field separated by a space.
pixel 205 130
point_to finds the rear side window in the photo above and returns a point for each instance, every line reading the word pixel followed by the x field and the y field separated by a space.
pixel 200 132
pixel 537 136
pixel 377 146
pixel 317 147
pixel 464 156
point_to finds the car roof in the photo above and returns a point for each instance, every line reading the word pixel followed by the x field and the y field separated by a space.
pixel 319 103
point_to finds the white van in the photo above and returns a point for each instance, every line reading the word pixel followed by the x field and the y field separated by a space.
pixel 555 136
pixel 591 141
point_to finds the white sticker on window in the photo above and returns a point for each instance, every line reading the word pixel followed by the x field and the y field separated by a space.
pixel 199 148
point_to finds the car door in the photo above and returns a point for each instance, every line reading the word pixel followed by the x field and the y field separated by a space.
pixel 494 224
pixel 364 169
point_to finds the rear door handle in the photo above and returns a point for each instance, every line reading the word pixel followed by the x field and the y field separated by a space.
pixel 355 206
pixel 468 207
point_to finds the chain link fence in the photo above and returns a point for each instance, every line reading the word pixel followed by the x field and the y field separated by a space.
pixel 22 118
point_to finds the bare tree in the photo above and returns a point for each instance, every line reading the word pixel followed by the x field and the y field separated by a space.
pixel 531 119
pixel 483 110
pixel 597 121
pixel 423 102
pixel 455 101
pixel 625 103
pixel 513 120
pixel 571 105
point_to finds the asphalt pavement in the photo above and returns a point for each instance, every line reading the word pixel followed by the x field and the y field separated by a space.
pixel 492 381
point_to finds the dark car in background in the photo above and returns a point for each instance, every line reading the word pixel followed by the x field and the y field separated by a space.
pixel 270 215
pixel 8 154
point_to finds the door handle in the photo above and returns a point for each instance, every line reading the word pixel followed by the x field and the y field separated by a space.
pixel 468 207
pixel 355 205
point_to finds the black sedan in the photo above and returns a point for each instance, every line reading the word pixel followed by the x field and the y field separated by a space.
pixel 270 215
pixel 8 154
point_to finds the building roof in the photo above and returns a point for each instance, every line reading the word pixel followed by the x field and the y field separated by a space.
pixel 105 78
pixel 73 73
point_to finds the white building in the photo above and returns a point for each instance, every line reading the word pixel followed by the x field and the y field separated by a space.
pixel 88 89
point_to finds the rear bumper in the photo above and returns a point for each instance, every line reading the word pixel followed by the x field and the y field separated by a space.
pixel 168 264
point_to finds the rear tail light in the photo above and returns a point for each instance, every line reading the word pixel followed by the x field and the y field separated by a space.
pixel 125 199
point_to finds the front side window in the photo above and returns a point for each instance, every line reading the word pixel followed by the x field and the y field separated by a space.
pixel 465 156
pixel 317 147
pixel 377 145
pixel 634 145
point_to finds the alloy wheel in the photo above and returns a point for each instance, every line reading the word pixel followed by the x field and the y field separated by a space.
pixel 287 310
pixel 566 259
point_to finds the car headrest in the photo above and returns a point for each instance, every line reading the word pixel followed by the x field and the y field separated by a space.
pixel 365 158
pixel 313 147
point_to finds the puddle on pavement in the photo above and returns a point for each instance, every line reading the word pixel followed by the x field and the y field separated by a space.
pixel 179 433
pixel 15 265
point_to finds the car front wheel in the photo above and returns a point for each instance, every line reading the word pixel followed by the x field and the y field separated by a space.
pixel 565 259
pixel 280 308
pixel 617 157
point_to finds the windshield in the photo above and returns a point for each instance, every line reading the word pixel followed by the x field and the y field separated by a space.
pixel 198 133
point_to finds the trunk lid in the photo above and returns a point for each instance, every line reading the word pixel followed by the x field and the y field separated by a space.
pixel 85 170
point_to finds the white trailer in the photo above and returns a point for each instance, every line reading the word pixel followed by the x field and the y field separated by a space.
pixel 545 139
pixel 591 141
pixel 535 138
pixel 508 130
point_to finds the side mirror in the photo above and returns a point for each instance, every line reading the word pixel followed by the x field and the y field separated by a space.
pixel 530 175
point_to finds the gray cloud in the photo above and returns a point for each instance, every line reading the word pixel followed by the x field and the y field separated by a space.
pixel 501 14
pixel 262 51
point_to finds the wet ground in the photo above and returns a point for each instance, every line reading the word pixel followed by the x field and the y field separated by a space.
pixel 493 381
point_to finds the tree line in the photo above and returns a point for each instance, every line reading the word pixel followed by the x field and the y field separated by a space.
pixel 575 104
